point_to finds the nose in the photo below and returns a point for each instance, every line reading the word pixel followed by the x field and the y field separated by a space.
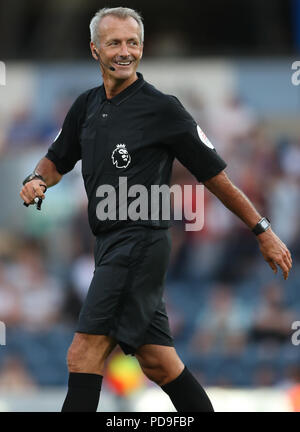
pixel 124 50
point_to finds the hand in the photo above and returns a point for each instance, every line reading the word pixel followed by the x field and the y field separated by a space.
pixel 34 188
pixel 275 252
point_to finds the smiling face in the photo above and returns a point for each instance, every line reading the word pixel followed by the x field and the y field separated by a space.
pixel 120 46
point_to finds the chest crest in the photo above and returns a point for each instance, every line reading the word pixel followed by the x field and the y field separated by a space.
pixel 120 156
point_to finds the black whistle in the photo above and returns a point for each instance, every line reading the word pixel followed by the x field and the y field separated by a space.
pixel 38 202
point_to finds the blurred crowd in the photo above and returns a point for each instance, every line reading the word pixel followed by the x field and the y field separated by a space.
pixel 230 315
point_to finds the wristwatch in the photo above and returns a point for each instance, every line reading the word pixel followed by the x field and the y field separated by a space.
pixel 261 226
pixel 33 176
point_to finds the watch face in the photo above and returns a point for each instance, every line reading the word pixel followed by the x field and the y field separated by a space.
pixel 264 224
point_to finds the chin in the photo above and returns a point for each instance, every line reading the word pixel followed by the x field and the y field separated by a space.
pixel 123 74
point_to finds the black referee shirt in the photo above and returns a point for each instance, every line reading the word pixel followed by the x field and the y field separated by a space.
pixel 135 135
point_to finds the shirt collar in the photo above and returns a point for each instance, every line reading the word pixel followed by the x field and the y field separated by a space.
pixel 125 94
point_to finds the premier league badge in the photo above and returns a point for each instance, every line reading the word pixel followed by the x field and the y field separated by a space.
pixel 120 156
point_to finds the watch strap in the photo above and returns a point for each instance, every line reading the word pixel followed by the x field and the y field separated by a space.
pixel 33 176
pixel 262 226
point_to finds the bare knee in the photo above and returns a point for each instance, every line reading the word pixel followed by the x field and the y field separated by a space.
pixel 88 353
pixel 155 372
pixel 159 363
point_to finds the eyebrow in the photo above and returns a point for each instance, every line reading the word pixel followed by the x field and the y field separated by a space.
pixel 118 40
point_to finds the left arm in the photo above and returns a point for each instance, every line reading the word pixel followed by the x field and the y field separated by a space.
pixel 272 248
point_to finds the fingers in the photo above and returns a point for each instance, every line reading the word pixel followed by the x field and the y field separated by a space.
pixel 25 198
pixel 289 257
pixel 285 269
pixel 44 187
pixel 31 190
pixel 287 262
pixel 276 254
pixel 272 265
pixel 284 263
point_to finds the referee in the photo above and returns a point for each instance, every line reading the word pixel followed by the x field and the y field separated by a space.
pixel 128 129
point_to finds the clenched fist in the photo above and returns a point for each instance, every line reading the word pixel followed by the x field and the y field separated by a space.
pixel 35 188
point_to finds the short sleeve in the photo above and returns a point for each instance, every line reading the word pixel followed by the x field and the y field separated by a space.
pixel 188 143
pixel 65 151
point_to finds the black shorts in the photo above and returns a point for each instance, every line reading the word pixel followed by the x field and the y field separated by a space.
pixel 125 297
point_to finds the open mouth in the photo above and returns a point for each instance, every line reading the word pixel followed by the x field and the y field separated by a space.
pixel 123 63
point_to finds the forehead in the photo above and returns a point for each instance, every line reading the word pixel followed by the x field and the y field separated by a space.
pixel 111 27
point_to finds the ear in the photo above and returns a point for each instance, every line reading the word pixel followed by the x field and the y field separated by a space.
pixel 94 51
pixel 142 51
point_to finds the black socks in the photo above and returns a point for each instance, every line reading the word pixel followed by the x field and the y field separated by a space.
pixel 83 392
pixel 184 391
pixel 187 394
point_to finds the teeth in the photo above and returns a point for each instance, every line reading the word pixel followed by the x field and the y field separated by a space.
pixel 124 64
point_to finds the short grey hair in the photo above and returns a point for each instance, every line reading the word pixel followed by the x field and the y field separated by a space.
pixel 120 12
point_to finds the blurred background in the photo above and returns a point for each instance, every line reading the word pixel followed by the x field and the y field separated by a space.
pixel 230 64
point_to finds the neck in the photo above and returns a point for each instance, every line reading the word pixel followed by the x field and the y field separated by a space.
pixel 115 86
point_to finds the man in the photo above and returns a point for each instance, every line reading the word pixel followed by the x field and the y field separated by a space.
pixel 128 129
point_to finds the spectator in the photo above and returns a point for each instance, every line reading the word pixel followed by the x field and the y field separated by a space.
pixel 22 132
pixel 15 377
pixel 40 295
pixel 222 324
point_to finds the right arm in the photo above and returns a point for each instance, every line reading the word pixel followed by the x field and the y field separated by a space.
pixel 34 188
pixel 61 157
pixel 47 169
